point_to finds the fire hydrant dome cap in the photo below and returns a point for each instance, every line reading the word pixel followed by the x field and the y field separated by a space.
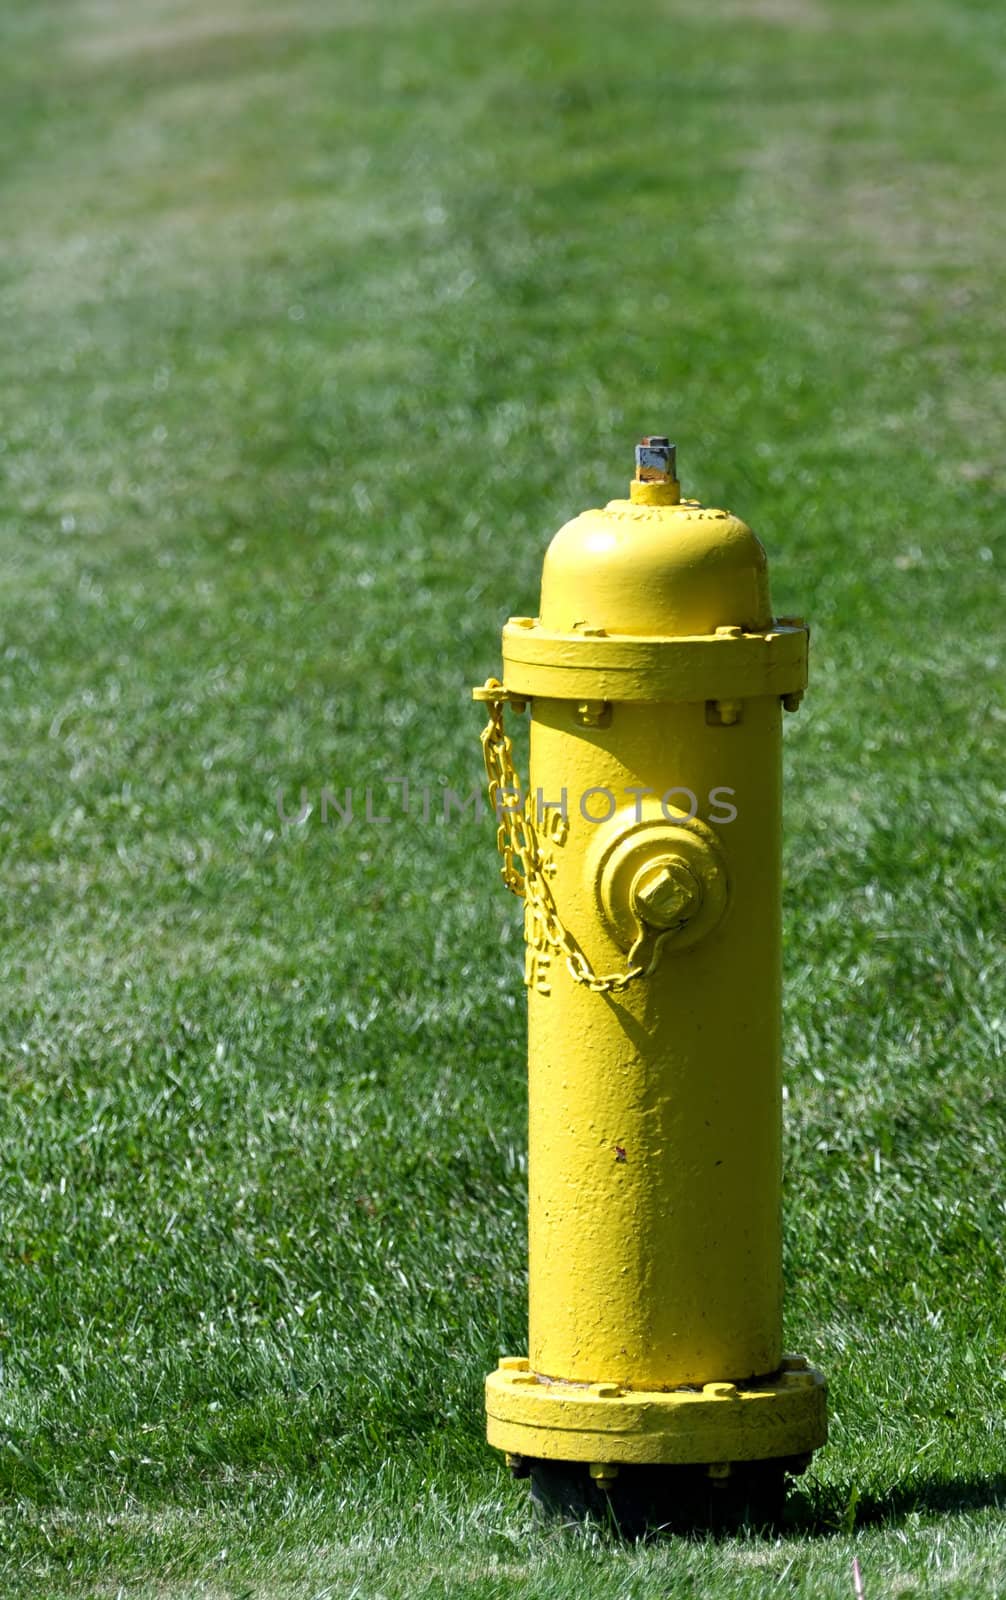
pixel 655 571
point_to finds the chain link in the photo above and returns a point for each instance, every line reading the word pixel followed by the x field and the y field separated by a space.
pixel 524 867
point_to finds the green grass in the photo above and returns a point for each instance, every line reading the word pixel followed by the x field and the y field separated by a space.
pixel 317 319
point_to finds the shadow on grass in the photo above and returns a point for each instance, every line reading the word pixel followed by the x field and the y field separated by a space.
pixel 822 1511
pixel 827 1509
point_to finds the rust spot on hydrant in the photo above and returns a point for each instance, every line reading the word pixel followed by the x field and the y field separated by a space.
pixel 620 1154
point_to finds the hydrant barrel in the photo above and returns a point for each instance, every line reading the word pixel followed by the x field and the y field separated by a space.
pixel 654 1115
pixel 647 848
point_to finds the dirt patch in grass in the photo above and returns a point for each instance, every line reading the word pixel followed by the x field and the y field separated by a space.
pixel 803 14
pixel 854 198
pixel 112 31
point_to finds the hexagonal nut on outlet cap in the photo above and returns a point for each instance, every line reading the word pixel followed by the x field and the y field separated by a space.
pixel 665 893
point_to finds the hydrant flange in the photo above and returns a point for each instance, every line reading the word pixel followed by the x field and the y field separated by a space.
pixel 782 1417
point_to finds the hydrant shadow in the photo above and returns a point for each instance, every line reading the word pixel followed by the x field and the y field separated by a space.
pixel 823 1510
pixel 819 1511
pixel 653 1502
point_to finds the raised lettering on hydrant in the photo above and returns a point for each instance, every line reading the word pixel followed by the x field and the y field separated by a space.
pixel 656 677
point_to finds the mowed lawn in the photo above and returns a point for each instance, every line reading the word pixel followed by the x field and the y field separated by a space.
pixel 318 318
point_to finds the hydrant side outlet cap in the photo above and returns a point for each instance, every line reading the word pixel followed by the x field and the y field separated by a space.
pixel 655 570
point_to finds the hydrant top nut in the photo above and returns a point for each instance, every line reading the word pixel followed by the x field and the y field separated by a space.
pixel 655 459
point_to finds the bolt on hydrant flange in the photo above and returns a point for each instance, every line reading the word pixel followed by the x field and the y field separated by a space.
pixel 646 848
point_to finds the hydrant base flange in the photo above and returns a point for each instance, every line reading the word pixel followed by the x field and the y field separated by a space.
pixel 762 1420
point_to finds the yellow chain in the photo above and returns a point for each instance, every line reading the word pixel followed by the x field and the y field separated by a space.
pixel 523 865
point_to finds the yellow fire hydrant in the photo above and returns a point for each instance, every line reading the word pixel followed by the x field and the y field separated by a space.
pixel 646 848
